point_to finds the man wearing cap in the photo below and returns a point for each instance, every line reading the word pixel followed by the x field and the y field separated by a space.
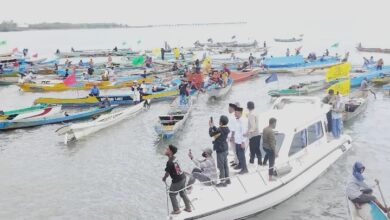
pixel 220 145
pixel 205 170
pixel 253 134
pixel 178 180
pixel 239 140
pixel 232 121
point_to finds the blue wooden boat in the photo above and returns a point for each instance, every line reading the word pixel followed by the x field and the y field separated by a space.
pixel 357 80
pixel 62 117
pixel 368 211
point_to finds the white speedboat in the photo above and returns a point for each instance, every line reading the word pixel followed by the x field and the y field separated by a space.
pixel 304 150
pixel 77 131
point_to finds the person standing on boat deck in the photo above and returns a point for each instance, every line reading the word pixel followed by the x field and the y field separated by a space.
pixel 254 135
pixel 358 191
pixel 239 140
pixel 173 170
pixel 205 170
pixel 109 60
pixel 226 69
pixel 264 44
pixel 90 63
pixel 94 91
pixel 220 146
pixel 162 54
pixel 326 53
pixel 372 61
pixel 251 60
pixel 269 146
pixel 364 87
pixel 379 64
pixel 288 52
pixel 183 92
pixel 231 124
pixel 337 116
pixel 197 66
pixel 329 99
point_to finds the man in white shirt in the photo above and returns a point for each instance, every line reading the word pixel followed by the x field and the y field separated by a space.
pixel 239 131
pixel 232 121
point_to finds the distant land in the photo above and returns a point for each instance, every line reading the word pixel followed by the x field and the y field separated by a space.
pixel 7 26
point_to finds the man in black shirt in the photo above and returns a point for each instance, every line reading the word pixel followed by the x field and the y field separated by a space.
pixel 178 180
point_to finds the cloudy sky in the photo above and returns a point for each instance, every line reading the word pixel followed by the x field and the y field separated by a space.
pixel 373 13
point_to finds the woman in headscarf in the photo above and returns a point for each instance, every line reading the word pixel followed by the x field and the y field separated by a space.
pixel 358 191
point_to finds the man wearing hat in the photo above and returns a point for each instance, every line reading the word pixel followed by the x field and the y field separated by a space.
pixel 232 121
pixel 239 140
pixel 220 145
pixel 178 180
pixel 205 170
pixel 253 134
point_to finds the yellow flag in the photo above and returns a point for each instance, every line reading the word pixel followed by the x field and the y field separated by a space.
pixel 338 71
pixel 342 87
pixel 206 61
pixel 176 52
pixel 156 51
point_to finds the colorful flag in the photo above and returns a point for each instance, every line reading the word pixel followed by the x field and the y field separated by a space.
pixel 139 42
pixel 335 45
pixel 71 79
pixel 139 60
pixel 124 43
pixel 272 78
pixel 4 42
pixel 342 87
pixel 15 50
pixel 35 55
pixel 156 51
pixel 233 37
pixel 176 53
pixel 338 71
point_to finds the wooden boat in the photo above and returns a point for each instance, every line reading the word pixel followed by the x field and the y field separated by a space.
pixel 217 92
pixel 300 89
pixel 300 162
pixel 84 85
pixel 239 76
pixel 57 118
pixel 31 113
pixel 357 80
pixel 288 40
pixel 367 211
pixel 381 80
pixel 5 81
pixel 12 114
pixel 169 124
pixel 371 50
pixel 77 131
pixel 89 101
pixel 354 106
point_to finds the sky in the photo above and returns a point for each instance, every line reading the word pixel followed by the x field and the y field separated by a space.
pixel 368 14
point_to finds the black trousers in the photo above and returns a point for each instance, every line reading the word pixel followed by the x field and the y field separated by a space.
pixel 254 147
pixel 329 119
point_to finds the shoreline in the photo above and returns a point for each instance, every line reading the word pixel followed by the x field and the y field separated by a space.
pixel 66 26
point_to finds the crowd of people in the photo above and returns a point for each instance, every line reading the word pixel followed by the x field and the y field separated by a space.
pixel 232 133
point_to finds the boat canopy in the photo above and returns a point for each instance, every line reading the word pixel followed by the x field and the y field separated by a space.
pixel 290 61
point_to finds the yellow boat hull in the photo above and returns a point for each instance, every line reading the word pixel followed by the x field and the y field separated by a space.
pixel 32 87
pixel 381 81
pixel 86 100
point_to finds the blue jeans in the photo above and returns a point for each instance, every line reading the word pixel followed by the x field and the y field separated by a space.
pixel 269 155
pixel 336 127
pixel 182 99
pixel 241 157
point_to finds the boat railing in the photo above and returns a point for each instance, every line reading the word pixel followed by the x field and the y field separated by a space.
pixel 210 183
